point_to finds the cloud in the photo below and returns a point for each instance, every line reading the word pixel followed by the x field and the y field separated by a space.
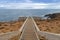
pixel 30 5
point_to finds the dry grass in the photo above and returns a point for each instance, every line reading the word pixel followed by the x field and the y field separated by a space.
pixel 10 26
pixel 49 25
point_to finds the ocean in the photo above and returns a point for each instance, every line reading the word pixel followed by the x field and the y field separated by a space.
pixel 13 14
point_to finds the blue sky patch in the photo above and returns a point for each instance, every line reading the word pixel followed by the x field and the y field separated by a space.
pixel 35 1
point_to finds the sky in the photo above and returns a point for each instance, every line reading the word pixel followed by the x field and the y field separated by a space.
pixel 30 4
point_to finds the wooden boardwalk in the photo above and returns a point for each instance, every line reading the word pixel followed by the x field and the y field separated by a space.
pixel 29 32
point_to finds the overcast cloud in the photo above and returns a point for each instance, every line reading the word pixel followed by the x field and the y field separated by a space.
pixel 30 4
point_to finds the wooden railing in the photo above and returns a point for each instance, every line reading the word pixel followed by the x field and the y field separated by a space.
pixel 47 35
